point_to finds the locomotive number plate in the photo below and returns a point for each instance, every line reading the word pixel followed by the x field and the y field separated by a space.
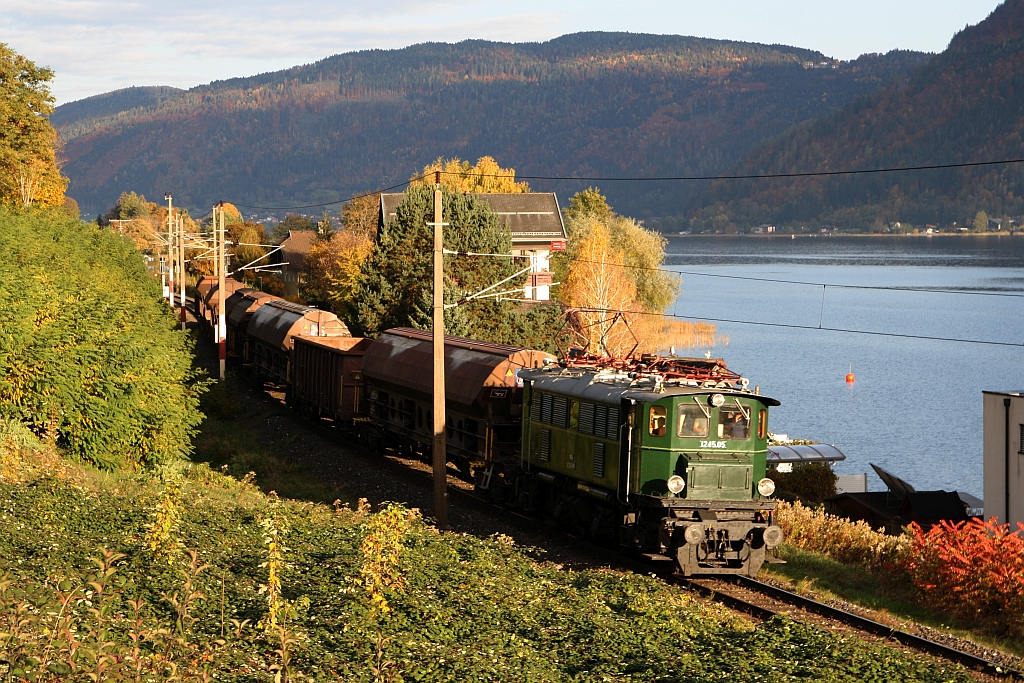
pixel 712 444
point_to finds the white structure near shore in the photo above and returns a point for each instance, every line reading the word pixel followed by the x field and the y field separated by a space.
pixel 1004 456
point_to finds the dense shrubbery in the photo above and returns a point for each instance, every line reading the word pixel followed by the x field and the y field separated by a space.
pixel 458 608
pixel 971 569
pixel 89 353
pixel 810 483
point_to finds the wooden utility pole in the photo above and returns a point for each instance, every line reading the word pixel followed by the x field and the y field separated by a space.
pixel 440 448
pixel 181 269
pixel 172 258
pixel 219 239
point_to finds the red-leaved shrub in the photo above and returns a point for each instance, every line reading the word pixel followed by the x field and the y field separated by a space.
pixel 972 568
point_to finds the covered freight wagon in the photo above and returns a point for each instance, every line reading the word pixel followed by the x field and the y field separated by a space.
pixel 483 395
pixel 325 376
pixel 239 307
pixel 272 329
pixel 210 306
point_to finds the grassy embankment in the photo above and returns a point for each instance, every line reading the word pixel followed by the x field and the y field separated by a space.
pixel 355 596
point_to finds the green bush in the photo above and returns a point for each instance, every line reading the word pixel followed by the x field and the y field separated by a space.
pixel 89 353
pixel 810 483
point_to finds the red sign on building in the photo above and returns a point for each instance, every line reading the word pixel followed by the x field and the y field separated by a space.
pixel 557 245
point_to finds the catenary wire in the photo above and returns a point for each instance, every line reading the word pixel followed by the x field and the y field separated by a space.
pixel 752 176
pixel 340 201
pixel 807 327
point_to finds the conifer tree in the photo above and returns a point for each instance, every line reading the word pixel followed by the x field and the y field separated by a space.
pixel 394 287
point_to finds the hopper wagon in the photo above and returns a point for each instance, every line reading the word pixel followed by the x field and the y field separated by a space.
pixel 270 334
pixel 326 377
pixel 483 398
pixel 239 307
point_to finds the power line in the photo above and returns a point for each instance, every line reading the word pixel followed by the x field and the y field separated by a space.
pixel 340 201
pixel 807 327
pixel 925 290
pixel 754 176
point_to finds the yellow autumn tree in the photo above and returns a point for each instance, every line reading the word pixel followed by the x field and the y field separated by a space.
pixel 332 267
pixel 613 267
pixel 29 169
pixel 486 176
pixel 600 288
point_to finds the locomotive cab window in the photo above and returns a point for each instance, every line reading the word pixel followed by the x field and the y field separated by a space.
pixel 658 425
pixel 762 423
pixel 691 421
pixel 732 423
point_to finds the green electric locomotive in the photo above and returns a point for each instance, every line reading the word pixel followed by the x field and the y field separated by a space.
pixel 667 455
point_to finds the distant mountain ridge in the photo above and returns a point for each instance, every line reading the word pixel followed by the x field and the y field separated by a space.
pixel 81 115
pixel 963 105
pixel 583 104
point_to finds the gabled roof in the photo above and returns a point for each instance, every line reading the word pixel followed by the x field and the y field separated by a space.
pixel 295 247
pixel 534 218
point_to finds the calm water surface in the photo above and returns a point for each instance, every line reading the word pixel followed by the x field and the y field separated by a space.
pixel 916 406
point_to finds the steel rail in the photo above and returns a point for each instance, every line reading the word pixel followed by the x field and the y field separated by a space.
pixel 850 619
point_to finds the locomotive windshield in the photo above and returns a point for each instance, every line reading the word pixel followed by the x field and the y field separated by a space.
pixel 691 420
pixel 732 423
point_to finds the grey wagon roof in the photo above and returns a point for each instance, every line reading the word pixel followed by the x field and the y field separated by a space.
pixel 607 387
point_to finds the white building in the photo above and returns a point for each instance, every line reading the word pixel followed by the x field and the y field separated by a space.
pixel 1004 455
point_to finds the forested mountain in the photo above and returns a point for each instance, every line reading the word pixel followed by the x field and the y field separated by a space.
pixel 583 104
pixel 963 105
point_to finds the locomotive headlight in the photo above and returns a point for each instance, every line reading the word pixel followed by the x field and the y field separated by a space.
pixel 717 400
pixel 766 487
pixel 676 484
pixel 694 534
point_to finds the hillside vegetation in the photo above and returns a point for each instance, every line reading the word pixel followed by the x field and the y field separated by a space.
pixel 200 577
pixel 964 105
pixel 582 104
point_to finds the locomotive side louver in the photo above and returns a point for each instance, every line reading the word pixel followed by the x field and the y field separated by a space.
pixel 535 407
pixel 545 445
pixel 560 412
pixel 547 403
pixel 599 459
pixel 586 418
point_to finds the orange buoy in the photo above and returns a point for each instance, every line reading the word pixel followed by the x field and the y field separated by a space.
pixel 850 378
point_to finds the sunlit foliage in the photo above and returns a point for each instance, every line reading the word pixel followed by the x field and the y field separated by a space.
pixel 29 172
pixel 89 355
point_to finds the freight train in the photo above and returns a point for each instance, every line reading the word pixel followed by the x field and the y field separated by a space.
pixel 663 456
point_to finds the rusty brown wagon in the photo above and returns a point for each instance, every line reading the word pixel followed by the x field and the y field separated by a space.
pixel 483 398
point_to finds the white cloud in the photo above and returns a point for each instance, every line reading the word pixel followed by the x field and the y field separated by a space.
pixel 108 45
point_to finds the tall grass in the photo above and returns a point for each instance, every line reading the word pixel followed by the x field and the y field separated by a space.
pixel 849 542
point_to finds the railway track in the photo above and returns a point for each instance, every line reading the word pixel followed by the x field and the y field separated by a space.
pixel 734 592
pixel 755 598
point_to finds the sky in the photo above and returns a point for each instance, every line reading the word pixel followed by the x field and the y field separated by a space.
pixel 95 46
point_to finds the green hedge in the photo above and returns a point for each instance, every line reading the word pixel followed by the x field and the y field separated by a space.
pixel 89 353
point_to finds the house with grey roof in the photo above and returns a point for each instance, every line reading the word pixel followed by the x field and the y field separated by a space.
pixel 292 258
pixel 533 218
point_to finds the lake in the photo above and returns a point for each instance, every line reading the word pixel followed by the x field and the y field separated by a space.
pixel 915 408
